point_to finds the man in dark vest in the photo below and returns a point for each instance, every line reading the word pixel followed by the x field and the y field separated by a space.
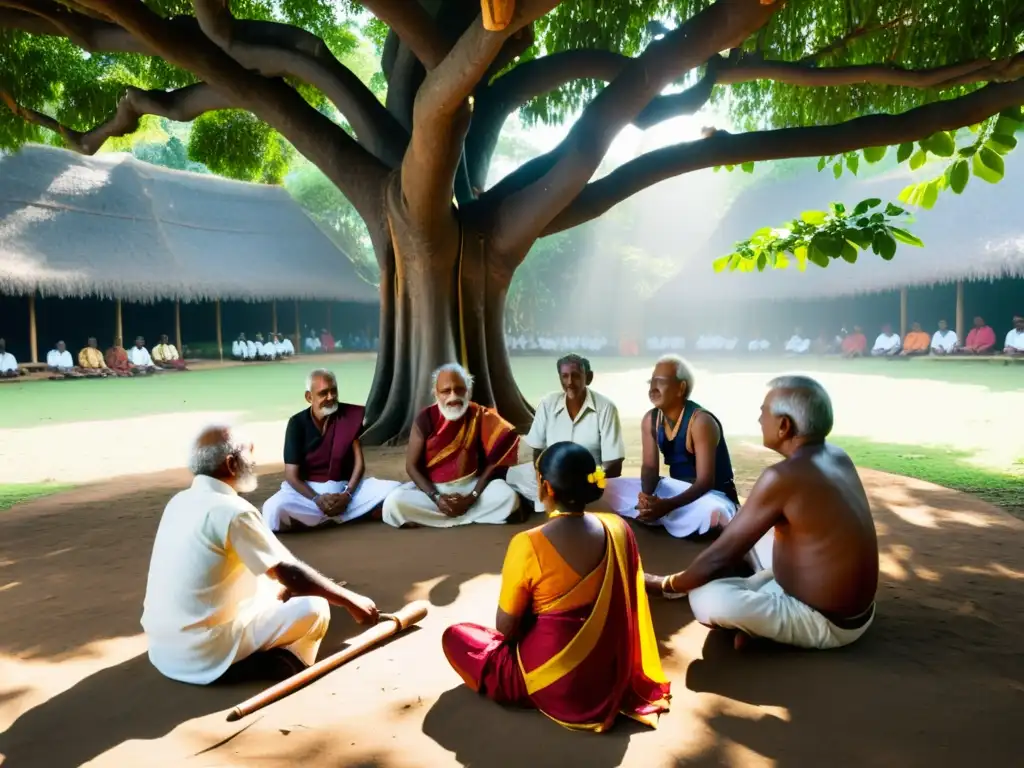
pixel 699 494
pixel 323 464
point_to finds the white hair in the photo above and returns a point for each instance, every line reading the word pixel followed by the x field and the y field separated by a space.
pixel 466 376
pixel 208 459
pixel 319 373
pixel 683 370
pixel 805 402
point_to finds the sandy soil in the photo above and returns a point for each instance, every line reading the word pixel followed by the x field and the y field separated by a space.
pixel 939 681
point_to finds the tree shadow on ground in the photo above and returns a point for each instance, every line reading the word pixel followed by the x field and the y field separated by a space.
pixel 467 725
pixel 102 711
pixel 936 679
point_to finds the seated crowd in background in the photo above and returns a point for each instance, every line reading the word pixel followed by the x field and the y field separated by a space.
pixel 276 347
pixel 545 343
pixel 325 342
pixel 93 364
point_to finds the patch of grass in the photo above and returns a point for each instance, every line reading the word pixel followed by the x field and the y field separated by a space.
pixel 945 466
pixel 19 493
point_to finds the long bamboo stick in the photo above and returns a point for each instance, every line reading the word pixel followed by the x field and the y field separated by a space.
pixel 389 625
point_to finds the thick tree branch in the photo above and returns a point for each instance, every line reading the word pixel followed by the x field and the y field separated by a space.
pixel 271 48
pixel 414 27
pixel 723 25
pixel 723 148
pixel 181 105
pixel 441 114
pixel 357 173
pixel 278 50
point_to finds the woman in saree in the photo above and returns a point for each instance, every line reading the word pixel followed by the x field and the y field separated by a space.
pixel 573 634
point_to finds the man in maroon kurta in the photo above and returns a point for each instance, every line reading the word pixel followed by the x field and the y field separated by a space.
pixel 323 464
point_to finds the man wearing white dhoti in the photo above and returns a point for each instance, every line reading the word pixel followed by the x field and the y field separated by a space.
pixel 577 414
pixel 222 589
pixel 819 589
pixel 699 494
pixel 458 454
pixel 798 344
pixel 323 464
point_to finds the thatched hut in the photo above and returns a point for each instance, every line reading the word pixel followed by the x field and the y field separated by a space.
pixel 973 238
pixel 112 227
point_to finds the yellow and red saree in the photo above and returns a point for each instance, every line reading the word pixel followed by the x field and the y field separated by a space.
pixel 459 449
pixel 586 658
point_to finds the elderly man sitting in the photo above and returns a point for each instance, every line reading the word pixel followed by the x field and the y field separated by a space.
pixel 323 464
pixel 91 361
pixel 223 590
pixel 166 357
pixel 60 362
pixel 817 583
pixel 577 414
pixel 457 456
pixel 8 365
pixel 699 494
pixel 138 357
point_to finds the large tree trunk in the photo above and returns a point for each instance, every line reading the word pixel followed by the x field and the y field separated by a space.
pixel 442 301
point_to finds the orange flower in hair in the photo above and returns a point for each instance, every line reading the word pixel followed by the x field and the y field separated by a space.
pixel 597 477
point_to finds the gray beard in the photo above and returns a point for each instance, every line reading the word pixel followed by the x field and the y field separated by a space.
pixel 453 413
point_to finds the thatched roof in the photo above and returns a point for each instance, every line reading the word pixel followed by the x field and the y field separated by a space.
pixel 112 226
pixel 978 235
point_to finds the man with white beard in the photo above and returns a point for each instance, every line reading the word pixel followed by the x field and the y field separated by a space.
pixel 324 479
pixel 457 458
pixel 224 598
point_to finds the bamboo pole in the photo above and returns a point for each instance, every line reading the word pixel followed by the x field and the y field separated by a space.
pixel 298 329
pixel 118 325
pixel 33 334
pixel 388 626
pixel 960 329
pixel 903 313
pixel 220 335
pixel 273 316
pixel 177 328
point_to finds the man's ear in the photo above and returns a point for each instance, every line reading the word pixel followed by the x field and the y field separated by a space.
pixel 589 378
pixel 231 465
pixel 309 398
pixel 787 428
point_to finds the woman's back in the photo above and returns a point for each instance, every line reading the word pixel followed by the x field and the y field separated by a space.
pixel 578 540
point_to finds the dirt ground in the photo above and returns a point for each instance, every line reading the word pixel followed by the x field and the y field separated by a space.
pixel 938 681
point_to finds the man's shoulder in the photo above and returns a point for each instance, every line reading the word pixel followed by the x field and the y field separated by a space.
pixel 550 401
pixel 603 402
pixel 300 419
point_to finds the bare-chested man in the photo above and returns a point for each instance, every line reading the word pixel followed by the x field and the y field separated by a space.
pixel 820 591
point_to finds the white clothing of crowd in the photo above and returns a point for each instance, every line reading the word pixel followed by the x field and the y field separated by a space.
pixel 256 349
pixel 530 343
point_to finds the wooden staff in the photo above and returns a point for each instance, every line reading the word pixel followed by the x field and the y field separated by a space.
pixel 389 625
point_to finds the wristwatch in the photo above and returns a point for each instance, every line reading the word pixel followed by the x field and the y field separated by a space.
pixel 475 494
pixel 435 496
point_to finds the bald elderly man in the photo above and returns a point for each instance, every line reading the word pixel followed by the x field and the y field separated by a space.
pixel 225 598
pixel 819 573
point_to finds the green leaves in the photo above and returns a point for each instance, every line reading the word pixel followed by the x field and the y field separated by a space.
pixel 821 237
pixel 959 175
pixel 904 152
pixel 918 159
pixel 875 154
pixel 940 144
pixel 988 166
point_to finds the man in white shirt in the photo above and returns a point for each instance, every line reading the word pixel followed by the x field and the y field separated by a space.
pixel 312 343
pixel 138 357
pixel 8 365
pixel 222 589
pixel 283 345
pixel 758 343
pixel 59 361
pixel 265 350
pixel 577 414
pixel 239 349
pixel 1014 346
pixel 944 341
pixel 798 344
pixel 887 344
pixel 252 352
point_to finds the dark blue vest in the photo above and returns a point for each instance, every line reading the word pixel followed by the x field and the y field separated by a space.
pixel 682 465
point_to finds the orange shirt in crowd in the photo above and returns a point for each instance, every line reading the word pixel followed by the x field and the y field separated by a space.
pixel 855 342
pixel 916 341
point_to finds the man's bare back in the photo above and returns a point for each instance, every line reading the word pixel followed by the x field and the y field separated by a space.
pixel 826 550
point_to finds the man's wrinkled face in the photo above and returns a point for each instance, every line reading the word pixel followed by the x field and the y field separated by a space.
pixel 452 395
pixel 323 397
pixel 574 381
pixel 665 388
